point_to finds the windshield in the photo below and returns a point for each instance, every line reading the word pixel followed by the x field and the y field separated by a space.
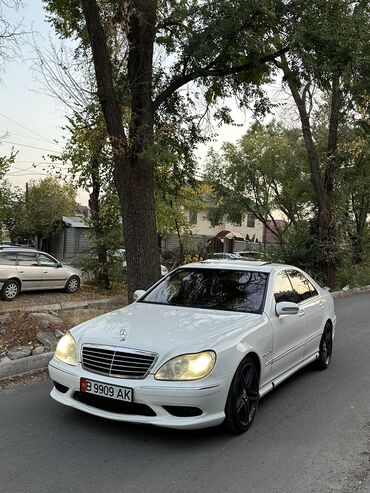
pixel 231 290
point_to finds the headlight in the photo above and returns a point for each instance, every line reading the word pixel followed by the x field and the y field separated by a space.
pixel 187 367
pixel 66 350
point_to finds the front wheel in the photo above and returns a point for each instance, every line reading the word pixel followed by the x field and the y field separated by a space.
pixel 242 401
pixel 72 285
pixel 10 290
pixel 325 349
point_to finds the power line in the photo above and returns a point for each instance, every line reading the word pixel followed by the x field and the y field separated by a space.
pixel 24 136
pixel 32 147
pixel 24 126
pixel 33 161
pixel 26 174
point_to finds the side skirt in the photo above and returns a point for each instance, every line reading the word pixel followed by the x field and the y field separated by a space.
pixel 274 383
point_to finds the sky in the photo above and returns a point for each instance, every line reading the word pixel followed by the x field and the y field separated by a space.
pixel 31 122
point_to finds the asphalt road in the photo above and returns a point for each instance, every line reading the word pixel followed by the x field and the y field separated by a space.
pixel 312 434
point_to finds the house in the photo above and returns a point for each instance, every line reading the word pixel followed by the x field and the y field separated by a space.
pixel 249 228
pixel 71 240
pixel 276 225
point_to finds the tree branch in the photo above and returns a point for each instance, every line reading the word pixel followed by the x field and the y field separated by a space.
pixel 207 71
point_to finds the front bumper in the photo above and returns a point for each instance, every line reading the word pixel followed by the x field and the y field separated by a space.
pixel 209 395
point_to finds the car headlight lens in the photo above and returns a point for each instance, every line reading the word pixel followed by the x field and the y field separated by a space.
pixel 66 350
pixel 187 367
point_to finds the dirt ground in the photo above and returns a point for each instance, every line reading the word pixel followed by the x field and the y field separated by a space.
pixel 22 333
pixel 35 298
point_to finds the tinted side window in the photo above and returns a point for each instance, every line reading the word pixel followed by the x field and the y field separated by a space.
pixel 8 258
pixel 301 285
pixel 27 258
pixel 312 289
pixel 47 261
pixel 283 290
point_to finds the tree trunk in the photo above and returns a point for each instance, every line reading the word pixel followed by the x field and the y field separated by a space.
pixel 178 232
pixel 101 249
pixel 323 186
pixel 360 208
pixel 133 171
pixel 327 228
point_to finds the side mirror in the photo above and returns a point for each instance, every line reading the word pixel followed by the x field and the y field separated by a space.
pixel 286 308
pixel 138 294
pixel 59 265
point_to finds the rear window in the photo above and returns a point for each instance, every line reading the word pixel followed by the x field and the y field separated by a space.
pixel 228 289
pixel 27 258
pixel 8 258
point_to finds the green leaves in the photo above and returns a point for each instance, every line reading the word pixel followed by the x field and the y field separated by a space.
pixel 265 172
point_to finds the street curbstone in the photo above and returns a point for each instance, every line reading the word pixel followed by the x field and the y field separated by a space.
pixel 342 294
pixel 25 365
pixel 68 305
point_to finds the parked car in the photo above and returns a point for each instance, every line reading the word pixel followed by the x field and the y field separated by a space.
pixel 199 348
pixel 223 256
pixel 121 252
pixel 25 269
pixel 250 255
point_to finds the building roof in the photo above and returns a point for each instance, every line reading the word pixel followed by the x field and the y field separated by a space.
pixel 226 233
pixel 74 222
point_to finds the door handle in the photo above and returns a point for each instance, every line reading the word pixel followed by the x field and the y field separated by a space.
pixel 44 271
pixel 21 271
pixel 301 313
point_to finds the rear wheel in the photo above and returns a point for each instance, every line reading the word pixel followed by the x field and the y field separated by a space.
pixel 325 348
pixel 11 290
pixel 73 284
pixel 242 401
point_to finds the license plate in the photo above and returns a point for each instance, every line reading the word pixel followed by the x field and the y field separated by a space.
pixel 106 390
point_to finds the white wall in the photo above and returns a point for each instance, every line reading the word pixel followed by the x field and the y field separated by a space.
pixel 204 227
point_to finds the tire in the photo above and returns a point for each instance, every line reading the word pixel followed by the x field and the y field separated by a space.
pixel 325 349
pixel 11 290
pixel 242 401
pixel 73 284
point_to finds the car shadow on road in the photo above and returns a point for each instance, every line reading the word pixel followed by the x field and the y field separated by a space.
pixel 128 432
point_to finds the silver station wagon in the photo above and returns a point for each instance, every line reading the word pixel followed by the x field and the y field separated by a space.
pixel 25 269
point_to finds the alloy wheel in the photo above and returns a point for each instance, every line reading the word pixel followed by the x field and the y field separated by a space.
pixel 326 346
pixel 247 394
pixel 11 290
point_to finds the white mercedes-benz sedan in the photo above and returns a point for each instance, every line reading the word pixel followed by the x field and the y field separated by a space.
pixel 199 348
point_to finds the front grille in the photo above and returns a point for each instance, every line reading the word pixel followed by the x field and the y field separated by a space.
pixel 123 364
pixel 113 405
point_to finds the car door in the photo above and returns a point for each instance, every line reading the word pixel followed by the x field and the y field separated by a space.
pixel 313 304
pixel 53 275
pixel 29 270
pixel 289 330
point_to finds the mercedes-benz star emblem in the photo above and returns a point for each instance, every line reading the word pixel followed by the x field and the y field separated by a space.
pixel 123 334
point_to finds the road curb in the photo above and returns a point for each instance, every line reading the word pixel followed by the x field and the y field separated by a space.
pixel 24 365
pixel 342 294
pixel 67 305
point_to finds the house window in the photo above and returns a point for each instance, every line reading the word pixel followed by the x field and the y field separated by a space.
pixel 251 220
pixel 193 217
pixel 237 223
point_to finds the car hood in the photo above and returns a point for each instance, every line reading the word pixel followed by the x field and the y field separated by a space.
pixel 166 330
